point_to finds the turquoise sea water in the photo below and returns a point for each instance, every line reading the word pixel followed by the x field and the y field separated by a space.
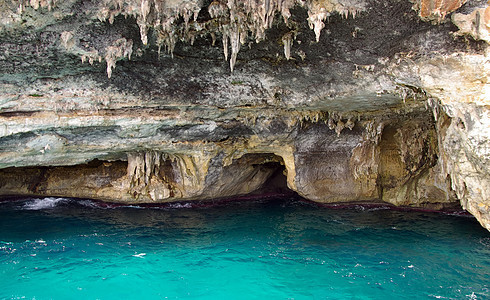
pixel 58 248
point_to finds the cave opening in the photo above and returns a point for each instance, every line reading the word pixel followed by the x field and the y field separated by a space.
pixel 251 175
pixel 262 174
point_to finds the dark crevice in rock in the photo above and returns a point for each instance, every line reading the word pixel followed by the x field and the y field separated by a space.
pixel 276 183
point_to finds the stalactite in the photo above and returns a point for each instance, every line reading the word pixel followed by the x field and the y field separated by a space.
pixel 340 126
pixel 235 46
pixel 350 124
pixel 287 40
pixel 225 44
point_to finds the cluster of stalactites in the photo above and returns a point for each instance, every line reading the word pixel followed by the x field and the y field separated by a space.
pixel 22 4
pixel 334 120
pixel 319 11
pixel 143 170
pixel 142 166
pixel 158 14
pixel 235 20
pixel 337 123
pixel 161 175
pixel 145 165
pixel 119 49
pixel 240 19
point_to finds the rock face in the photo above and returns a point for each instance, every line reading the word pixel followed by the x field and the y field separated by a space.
pixel 339 101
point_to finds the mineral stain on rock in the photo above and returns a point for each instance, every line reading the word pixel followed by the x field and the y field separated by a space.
pixel 335 100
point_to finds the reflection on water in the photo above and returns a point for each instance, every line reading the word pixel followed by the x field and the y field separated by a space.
pixel 280 248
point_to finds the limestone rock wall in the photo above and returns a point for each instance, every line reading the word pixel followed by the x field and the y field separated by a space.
pixel 465 155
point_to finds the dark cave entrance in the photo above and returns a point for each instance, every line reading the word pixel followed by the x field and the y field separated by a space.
pixel 265 172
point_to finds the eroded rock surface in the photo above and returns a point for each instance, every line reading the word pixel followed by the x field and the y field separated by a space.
pixel 157 101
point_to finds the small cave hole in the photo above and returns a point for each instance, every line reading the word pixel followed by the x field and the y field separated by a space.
pixel 272 172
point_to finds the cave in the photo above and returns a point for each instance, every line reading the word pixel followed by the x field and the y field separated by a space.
pixel 353 100
pixel 257 174
pixel 266 169
pixel 215 149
